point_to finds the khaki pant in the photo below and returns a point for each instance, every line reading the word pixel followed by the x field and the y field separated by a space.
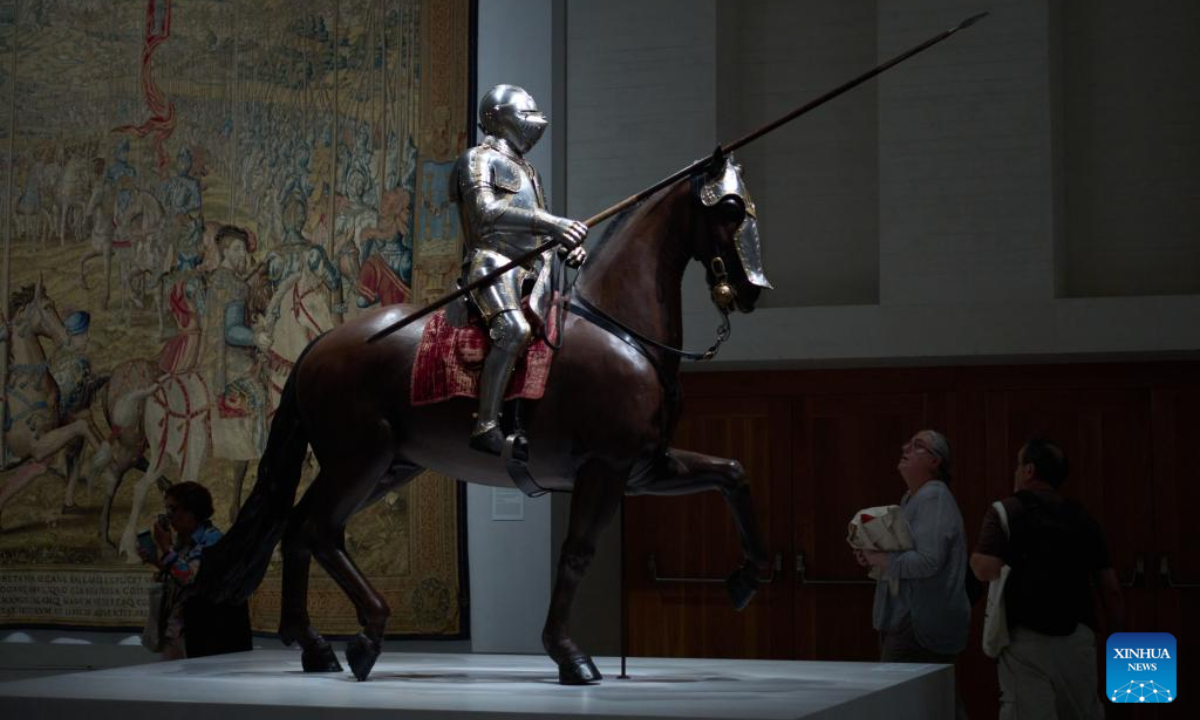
pixel 1049 677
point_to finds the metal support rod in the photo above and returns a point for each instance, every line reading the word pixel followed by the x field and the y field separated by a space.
pixel 1164 570
pixel 624 595
pixel 803 579
pixel 1138 577
pixel 652 563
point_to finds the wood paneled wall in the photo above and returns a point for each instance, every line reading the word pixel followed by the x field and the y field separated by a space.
pixel 819 444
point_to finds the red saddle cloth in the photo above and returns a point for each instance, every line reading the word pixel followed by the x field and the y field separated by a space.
pixel 450 359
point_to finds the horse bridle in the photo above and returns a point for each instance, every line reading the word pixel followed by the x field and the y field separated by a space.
pixel 721 292
pixel 580 306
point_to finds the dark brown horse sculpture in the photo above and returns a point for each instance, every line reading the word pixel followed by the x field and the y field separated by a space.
pixel 600 431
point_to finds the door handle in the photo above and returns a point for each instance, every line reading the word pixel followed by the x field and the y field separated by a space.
pixel 803 579
pixel 1164 570
pixel 776 568
pixel 1138 577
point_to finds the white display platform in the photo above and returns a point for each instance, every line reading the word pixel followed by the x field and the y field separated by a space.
pixel 269 685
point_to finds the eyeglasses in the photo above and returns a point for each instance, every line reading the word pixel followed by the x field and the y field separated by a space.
pixel 917 446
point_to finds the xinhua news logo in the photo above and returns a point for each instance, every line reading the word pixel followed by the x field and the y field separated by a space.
pixel 1140 668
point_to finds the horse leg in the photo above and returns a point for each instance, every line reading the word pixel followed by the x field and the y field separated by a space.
pixel 74 453
pixel 399 475
pixel 112 481
pixel 51 442
pixel 294 621
pixel 108 253
pixel 128 544
pixel 594 501
pixel 316 529
pixel 24 474
pixel 160 292
pixel 83 283
pixel 295 624
pixel 683 473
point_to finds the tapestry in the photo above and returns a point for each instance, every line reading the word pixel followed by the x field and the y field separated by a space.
pixel 194 190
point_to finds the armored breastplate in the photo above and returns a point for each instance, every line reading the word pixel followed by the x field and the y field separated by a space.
pixel 498 195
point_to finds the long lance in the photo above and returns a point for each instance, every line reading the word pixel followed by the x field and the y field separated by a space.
pixel 678 175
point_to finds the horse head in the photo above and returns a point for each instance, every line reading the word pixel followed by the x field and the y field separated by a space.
pixel 728 243
pixel 36 314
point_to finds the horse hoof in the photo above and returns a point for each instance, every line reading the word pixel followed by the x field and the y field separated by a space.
pixel 361 653
pixel 578 671
pixel 742 585
pixel 319 658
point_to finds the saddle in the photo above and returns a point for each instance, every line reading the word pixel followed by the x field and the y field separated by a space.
pixel 449 361
pixel 448 365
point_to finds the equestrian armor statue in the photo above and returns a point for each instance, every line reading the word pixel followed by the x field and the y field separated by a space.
pixel 503 212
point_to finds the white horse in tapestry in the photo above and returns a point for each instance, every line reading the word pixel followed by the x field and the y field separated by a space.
pixel 182 415
pixel 183 422
pixel 299 311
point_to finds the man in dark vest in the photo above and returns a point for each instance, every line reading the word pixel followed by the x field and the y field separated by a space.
pixel 1057 554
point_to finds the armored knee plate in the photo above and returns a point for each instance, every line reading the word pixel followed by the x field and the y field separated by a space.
pixel 510 333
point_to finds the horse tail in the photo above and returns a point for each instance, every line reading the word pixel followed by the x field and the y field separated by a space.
pixel 234 567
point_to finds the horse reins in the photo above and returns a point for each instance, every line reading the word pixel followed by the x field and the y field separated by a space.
pixel 598 317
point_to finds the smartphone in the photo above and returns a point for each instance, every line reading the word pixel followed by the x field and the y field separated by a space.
pixel 145 541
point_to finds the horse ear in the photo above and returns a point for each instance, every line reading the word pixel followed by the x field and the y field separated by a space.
pixel 37 292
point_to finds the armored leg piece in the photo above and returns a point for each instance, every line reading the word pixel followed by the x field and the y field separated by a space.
pixel 510 334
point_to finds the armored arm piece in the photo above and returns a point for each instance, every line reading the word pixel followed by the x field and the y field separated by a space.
pixel 318 263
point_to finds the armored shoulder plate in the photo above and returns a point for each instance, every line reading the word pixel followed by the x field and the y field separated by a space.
pixel 499 198
pixel 506 175
pixel 486 166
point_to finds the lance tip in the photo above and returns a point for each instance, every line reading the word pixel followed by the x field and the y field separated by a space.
pixel 971 21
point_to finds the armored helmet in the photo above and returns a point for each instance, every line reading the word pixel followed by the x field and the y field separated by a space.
pixel 509 113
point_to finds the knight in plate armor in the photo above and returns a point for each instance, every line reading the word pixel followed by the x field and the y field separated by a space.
pixel 503 212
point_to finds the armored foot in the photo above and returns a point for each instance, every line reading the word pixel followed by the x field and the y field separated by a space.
pixel 361 653
pixel 489 441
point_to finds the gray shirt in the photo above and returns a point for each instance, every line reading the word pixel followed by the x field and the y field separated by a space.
pixel 931 575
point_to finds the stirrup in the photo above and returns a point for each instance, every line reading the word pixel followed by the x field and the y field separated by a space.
pixel 516 457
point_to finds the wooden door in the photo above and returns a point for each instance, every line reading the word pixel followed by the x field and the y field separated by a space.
pixel 1174 570
pixel 820 444
pixel 845 449
pixel 680 549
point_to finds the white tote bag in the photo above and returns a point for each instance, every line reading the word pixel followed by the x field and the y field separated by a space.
pixel 995 619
